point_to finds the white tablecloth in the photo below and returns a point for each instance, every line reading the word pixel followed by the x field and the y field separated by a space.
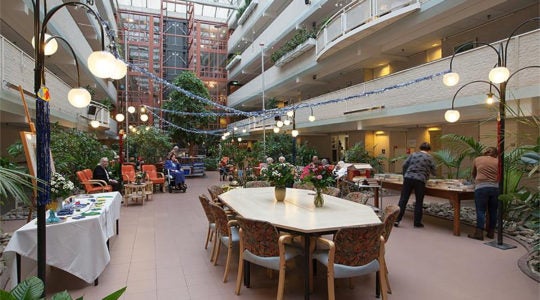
pixel 75 246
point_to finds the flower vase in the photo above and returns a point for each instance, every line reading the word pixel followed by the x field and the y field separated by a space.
pixel 318 200
pixel 279 193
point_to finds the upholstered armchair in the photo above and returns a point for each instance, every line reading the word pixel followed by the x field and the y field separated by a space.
pixel 262 244
pixel 354 251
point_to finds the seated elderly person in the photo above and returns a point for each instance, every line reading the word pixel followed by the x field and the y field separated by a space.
pixel 173 166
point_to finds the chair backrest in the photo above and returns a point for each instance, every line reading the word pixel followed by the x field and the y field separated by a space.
pixel 82 176
pixel 259 237
pixel 215 191
pixel 357 246
pixel 220 218
pixel 390 215
pixel 88 173
pixel 129 172
pixel 357 197
pixel 150 170
pixel 332 191
pixel 257 183
pixel 84 179
pixel 205 202
pixel 304 186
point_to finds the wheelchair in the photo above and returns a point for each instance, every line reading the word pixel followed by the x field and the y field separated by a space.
pixel 171 186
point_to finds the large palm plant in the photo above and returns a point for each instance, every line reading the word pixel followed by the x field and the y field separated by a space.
pixel 460 147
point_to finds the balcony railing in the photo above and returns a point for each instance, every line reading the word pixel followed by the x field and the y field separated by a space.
pixel 17 68
pixel 356 17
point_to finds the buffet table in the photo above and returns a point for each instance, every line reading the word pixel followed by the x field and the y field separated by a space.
pixel 439 189
pixel 298 214
pixel 78 244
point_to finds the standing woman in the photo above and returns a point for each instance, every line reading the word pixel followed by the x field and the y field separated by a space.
pixel 416 171
pixel 486 192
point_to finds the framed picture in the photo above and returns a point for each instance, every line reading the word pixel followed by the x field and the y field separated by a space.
pixel 29 142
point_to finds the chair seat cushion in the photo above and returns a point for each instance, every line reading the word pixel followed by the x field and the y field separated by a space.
pixel 272 262
pixel 234 236
pixel 343 271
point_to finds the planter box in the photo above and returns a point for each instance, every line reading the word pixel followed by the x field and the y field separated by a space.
pixel 233 62
pixel 299 50
pixel 247 12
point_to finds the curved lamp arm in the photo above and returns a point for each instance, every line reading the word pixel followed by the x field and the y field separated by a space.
pixel 527 67
pixel 469 83
pixel 513 33
pixel 72 52
pixel 499 60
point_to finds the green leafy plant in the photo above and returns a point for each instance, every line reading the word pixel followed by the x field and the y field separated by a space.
pixel 358 153
pixel 32 288
pixel 279 174
pixel 179 102
pixel 151 143
pixel 300 37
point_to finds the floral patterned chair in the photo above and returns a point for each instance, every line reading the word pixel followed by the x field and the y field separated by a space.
pixel 262 244
pixel 354 251
pixel 215 191
pixel 358 197
pixel 257 183
pixel 304 186
pixel 226 234
pixel 205 202
pixel 331 191
pixel 390 214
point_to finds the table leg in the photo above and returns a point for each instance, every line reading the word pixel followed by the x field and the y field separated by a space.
pixel 306 266
pixel 96 282
pixel 376 196
pixel 247 275
pixel 457 206
pixel 18 263
pixel 117 228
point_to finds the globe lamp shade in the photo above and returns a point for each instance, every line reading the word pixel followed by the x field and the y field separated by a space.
pixel 279 124
pixel 287 122
pixel 94 123
pixel 119 71
pixel 451 79
pixel 311 118
pixel 499 74
pixel 131 109
pixel 101 64
pixel 290 113
pixel 451 115
pixel 120 117
pixel 144 117
pixel 79 97
pixel 276 129
pixel 294 133
pixel 51 45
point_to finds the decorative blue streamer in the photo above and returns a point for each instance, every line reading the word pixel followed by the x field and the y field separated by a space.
pixel 265 114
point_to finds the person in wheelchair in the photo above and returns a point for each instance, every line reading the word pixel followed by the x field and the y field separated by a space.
pixel 172 166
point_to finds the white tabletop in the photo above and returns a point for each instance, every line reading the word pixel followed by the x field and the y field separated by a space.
pixel 297 212
pixel 75 246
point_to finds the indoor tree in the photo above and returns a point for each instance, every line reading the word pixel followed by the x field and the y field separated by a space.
pixel 152 143
pixel 180 102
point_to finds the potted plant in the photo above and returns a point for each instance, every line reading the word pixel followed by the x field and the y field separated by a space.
pixel 280 175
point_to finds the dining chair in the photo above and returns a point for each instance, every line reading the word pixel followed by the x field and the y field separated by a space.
pixel 304 186
pixel 262 244
pixel 205 202
pixel 128 173
pixel 358 197
pixel 157 178
pixel 390 214
pixel 331 191
pixel 354 251
pixel 257 183
pixel 215 191
pixel 226 234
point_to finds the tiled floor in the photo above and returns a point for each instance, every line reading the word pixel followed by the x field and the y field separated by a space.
pixel 159 254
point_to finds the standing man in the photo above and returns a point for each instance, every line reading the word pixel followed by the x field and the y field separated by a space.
pixel 101 173
pixel 416 171
pixel 486 192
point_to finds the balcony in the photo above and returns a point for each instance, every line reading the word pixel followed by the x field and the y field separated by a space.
pixel 299 50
